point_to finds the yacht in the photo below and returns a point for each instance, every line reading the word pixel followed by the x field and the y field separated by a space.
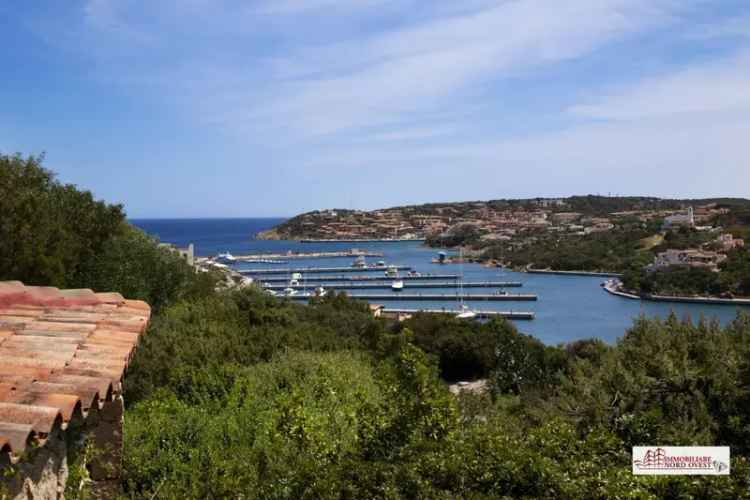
pixel 226 257
pixel 397 285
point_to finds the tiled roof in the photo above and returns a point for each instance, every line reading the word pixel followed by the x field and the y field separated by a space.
pixel 62 353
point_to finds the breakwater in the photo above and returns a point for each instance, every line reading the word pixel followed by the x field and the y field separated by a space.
pixel 574 273
pixel 614 289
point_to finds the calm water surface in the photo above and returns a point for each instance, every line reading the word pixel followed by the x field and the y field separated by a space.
pixel 569 307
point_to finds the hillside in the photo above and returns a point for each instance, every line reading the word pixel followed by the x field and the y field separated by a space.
pixel 490 218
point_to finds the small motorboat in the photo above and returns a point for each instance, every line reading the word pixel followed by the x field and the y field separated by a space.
pixel 391 272
pixel 226 257
pixel 397 285
pixel 359 262
pixel 320 292
pixel 381 263
pixel 289 292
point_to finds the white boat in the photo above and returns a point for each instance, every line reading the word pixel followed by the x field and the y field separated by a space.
pixel 381 263
pixel 397 285
pixel 320 292
pixel 293 282
pixel 360 262
pixel 226 257
pixel 466 313
pixel 391 272
pixel 290 292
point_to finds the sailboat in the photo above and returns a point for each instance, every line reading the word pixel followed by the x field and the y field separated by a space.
pixel 464 312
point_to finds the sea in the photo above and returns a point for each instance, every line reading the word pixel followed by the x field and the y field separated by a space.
pixel 568 308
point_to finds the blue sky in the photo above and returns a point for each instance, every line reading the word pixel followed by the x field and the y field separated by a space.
pixel 182 108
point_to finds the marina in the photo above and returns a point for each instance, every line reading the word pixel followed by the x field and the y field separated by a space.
pixel 386 285
pixel 570 306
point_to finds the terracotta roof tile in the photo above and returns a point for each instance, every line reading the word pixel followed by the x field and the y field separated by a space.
pixel 15 436
pixel 42 419
pixel 62 352
pixel 89 397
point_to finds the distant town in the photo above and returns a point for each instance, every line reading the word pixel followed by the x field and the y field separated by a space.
pixel 642 236
pixel 494 220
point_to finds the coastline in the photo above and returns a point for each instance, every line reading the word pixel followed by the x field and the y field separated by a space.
pixel 574 273
pixel 613 288
pixel 356 240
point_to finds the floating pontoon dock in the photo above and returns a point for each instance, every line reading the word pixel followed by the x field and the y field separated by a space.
pixel 352 279
pixel 518 315
pixel 386 285
pixel 318 270
pixel 437 297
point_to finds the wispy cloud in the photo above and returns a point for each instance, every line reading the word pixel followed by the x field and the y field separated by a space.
pixel 400 74
pixel 303 6
pixel 722 86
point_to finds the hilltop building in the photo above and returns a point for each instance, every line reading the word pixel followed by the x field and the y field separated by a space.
pixel 686 219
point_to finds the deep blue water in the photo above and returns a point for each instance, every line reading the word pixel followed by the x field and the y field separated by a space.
pixel 569 307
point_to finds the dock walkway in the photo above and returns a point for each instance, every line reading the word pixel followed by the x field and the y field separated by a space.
pixel 518 315
pixel 309 255
pixel 387 285
pixel 437 297
pixel 352 279
pixel 318 270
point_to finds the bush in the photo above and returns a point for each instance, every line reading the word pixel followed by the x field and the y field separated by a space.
pixel 48 230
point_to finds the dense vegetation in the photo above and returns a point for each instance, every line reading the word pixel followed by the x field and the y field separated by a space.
pixel 235 394
pixel 612 251
pixel 732 280
pixel 245 395
pixel 54 234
